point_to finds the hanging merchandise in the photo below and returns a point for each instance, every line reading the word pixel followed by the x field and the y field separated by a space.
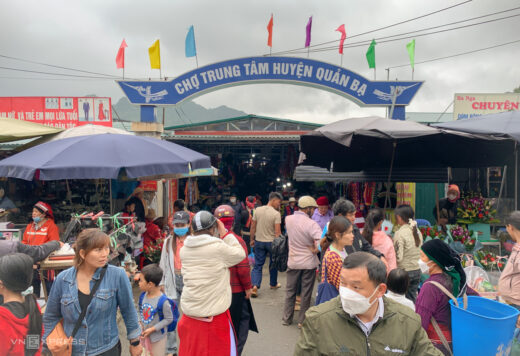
pixel 369 193
pixel 392 195
pixel 191 191
pixel 354 193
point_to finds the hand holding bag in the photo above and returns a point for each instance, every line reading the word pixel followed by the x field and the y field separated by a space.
pixel 326 291
pixel 58 343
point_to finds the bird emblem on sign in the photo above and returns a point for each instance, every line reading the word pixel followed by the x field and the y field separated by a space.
pixel 146 92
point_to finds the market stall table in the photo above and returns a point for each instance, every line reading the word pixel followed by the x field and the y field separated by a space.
pixel 55 265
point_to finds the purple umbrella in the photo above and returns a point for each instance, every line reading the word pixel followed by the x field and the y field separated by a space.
pixel 102 156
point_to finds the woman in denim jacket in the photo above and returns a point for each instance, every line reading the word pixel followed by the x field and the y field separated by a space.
pixel 98 334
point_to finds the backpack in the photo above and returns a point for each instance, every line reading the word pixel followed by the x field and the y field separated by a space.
pixel 280 253
pixel 159 310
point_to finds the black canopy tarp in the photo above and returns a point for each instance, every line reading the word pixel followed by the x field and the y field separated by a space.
pixel 359 144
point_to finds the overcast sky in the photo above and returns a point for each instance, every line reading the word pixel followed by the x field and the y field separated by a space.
pixel 86 35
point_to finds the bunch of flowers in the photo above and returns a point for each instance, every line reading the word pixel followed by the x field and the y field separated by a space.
pixel 462 235
pixel 152 252
pixel 475 209
pixel 433 232
pixel 490 261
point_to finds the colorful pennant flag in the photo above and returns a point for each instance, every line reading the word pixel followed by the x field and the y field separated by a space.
pixel 308 33
pixel 120 58
pixel 155 55
pixel 190 48
pixel 371 55
pixel 343 36
pixel 410 47
pixel 270 32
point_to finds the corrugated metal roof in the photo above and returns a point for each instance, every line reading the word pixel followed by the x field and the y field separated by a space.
pixel 265 137
pixel 318 174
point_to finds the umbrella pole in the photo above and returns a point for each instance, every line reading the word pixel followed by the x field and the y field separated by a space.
pixel 500 193
pixel 110 197
pixel 387 197
pixel 516 176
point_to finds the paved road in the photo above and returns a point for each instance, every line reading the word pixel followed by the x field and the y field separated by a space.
pixel 274 339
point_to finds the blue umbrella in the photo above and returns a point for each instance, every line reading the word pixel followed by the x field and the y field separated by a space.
pixel 102 156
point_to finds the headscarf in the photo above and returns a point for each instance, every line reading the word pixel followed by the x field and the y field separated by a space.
pixel 449 261
pixel 454 188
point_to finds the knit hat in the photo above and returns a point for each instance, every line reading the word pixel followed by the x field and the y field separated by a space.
pixel 322 201
pixel 44 208
pixel 449 261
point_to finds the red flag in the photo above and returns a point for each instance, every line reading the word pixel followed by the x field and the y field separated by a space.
pixel 120 58
pixel 343 36
pixel 270 30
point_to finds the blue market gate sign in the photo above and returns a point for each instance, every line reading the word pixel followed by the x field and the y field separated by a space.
pixel 287 70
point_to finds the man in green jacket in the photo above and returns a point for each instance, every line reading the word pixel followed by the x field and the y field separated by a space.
pixel 361 321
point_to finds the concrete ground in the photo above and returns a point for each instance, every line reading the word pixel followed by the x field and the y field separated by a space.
pixel 273 338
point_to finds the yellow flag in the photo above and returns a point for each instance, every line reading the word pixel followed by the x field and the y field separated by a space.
pixel 155 55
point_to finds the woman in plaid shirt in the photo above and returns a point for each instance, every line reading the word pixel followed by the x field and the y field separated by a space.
pixel 339 235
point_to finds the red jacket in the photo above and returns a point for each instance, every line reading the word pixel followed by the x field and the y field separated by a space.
pixel 47 232
pixel 240 273
pixel 152 233
pixel 14 331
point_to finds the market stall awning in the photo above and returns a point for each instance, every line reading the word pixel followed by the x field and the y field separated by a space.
pixel 102 156
pixel 317 174
pixel 505 124
pixel 14 130
pixel 83 130
pixel 360 144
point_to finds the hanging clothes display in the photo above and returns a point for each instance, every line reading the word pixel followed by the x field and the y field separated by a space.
pixel 369 194
pixel 191 192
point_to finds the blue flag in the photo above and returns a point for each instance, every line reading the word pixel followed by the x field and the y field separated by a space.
pixel 191 50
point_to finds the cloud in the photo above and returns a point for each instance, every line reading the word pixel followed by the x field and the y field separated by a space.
pixel 86 35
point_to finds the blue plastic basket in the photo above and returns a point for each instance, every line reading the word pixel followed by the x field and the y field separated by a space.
pixel 486 327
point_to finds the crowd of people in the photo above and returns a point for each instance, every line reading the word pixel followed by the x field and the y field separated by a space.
pixel 368 282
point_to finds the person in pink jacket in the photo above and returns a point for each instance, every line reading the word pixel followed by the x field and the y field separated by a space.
pixel 373 233
pixel 509 283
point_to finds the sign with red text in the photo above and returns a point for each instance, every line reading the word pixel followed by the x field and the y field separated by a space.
pixel 466 106
pixel 57 111
pixel 405 194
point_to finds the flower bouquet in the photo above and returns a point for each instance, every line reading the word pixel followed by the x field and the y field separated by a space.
pixel 432 232
pixel 474 209
pixel 489 261
pixel 152 252
pixel 463 240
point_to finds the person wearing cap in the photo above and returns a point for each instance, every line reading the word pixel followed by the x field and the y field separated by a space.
pixel 41 230
pixel 290 208
pixel 170 263
pixel 241 310
pixel 447 213
pixel 205 327
pixel 265 227
pixel 304 235
pixel 447 279
pixel 323 214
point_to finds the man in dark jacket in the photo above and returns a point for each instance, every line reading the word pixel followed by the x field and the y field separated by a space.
pixel 37 253
pixel 238 207
pixel 347 209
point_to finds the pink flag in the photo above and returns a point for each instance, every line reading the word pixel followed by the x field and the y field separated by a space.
pixel 120 58
pixel 308 33
pixel 343 36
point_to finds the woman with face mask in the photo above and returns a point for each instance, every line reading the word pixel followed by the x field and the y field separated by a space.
pixel 205 327
pixel 42 229
pixel 447 213
pixel 445 270
pixel 170 263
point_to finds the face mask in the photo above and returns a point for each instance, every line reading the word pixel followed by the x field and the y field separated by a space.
pixel 180 231
pixel 37 219
pixel 425 269
pixel 232 200
pixel 354 303
pixel 452 197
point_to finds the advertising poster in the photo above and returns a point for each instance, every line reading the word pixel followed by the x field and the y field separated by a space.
pixel 405 194
pixel 64 112
pixel 466 106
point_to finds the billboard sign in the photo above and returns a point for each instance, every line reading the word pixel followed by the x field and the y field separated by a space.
pixel 55 111
pixel 285 70
pixel 466 106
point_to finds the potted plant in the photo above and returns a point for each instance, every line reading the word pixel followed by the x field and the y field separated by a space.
pixel 477 213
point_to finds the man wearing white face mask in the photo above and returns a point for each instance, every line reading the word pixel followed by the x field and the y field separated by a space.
pixel 361 320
